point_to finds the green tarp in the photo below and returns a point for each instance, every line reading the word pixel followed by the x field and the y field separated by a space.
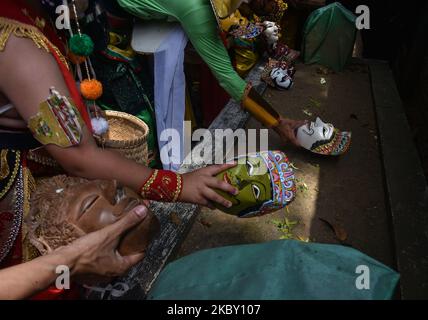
pixel 329 36
pixel 284 269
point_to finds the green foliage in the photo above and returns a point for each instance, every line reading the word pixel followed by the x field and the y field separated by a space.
pixel 286 227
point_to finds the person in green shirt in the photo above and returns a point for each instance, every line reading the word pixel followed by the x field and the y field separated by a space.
pixel 198 19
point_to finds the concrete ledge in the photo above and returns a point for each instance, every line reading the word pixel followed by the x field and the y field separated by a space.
pixel 407 192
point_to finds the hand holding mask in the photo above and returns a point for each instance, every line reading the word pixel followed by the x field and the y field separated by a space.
pixel 64 209
pixel 265 181
pixel 322 138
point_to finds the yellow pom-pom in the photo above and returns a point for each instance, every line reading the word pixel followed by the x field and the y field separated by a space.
pixel 75 58
pixel 91 89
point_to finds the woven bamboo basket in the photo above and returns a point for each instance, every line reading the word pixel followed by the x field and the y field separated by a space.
pixel 127 135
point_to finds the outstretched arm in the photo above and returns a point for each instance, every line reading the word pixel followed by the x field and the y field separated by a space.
pixel 30 73
pixel 198 20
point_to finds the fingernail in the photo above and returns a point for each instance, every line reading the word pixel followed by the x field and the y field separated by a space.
pixel 141 211
pixel 235 192
pixel 229 205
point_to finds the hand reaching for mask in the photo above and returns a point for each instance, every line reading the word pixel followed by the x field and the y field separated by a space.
pixel 199 185
pixel 287 130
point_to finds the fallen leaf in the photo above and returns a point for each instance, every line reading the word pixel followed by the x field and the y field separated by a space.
pixel 276 222
pixel 293 166
pixel 307 112
pixel 339 232
pixel 315 102
pixel 303 187
pixel 303 239
pixel 289 223
pixel 175 219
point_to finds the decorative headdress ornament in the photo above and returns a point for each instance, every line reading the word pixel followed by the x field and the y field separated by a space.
pixel 225 8
pixel 81 47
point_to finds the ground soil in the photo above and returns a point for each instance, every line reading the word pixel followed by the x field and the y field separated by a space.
pixel 339 199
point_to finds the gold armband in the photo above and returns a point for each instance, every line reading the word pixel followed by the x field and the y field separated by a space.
pixel 57 122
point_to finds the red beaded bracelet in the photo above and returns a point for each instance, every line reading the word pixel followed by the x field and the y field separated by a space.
pixel 162 185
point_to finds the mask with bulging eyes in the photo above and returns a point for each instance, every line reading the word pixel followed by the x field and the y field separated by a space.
pixel 281 78
pixel 265 181
pixel 323 138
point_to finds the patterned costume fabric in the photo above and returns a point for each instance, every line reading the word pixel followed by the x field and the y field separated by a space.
pixel 276 17
pixel 57 122
pixel 11 189
pixel 249 31
pixel 245 41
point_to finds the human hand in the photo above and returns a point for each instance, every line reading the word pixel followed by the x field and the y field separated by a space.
pixel 287 128
pixel 199 185
pixel 97 255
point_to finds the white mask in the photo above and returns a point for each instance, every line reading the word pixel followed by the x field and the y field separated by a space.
pixel 281 78
pixel 322 138
pixel 271 33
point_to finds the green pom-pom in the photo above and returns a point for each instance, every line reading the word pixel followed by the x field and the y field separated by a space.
pixel 81 45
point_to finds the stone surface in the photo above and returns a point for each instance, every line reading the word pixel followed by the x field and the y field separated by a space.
pixel 407 190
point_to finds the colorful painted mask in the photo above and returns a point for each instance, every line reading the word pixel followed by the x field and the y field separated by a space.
pixel 269 76
pixel 281 78
pixel 265 181
pixel 282 52
pixel 323 138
